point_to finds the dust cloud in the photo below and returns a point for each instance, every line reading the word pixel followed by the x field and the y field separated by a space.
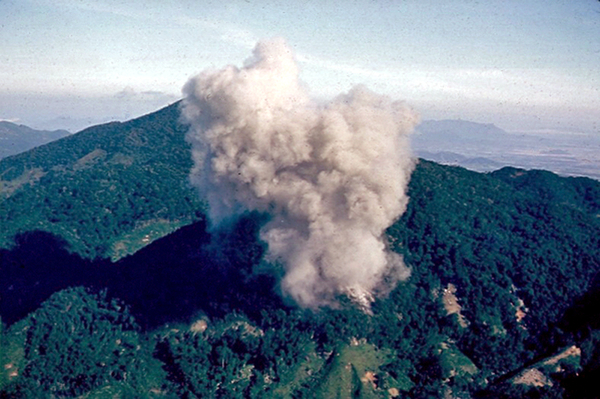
pixel 333 176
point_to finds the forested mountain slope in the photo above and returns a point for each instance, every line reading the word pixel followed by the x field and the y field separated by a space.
pixel 107 190
pixel 504 281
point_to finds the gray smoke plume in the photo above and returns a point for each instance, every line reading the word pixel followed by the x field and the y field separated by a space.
pixel 332 176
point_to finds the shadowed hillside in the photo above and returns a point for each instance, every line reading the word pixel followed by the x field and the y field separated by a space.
pixel 169 280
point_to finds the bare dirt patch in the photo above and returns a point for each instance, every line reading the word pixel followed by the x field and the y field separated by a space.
pixel 451 304
pixel 533 377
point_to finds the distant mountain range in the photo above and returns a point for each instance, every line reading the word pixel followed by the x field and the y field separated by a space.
pixel 479 164
pixel 450 132
pixel 486 147
pixel 15 139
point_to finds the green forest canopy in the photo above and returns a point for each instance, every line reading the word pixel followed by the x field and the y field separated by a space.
pixel 190 315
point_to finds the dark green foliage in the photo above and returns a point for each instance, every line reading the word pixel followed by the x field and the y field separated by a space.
pixel 234 357
pixel 218 363
pixel 584 383
pixel 287 338
pixel 168 280
pixel 77 341
pixel 508 241
pixel 36 267
pixel 498 242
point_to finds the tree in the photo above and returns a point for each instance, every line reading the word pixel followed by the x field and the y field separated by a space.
pixel 78 341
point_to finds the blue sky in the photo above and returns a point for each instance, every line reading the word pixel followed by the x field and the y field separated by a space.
pixel 523 65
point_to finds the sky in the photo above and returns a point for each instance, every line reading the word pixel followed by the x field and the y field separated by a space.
pixel 526 66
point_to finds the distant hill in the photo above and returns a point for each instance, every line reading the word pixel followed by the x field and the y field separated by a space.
pixel 475 146
pixel 454 131
pixel 112 286
pixel 485 147
pixel 478 164
pixel 15 139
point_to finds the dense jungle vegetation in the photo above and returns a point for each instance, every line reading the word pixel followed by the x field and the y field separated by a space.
pixel 112 287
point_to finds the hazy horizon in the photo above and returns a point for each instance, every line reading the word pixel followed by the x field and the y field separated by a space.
pixel 523 67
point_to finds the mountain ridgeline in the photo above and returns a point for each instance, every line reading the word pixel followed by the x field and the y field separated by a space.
pixel 112 286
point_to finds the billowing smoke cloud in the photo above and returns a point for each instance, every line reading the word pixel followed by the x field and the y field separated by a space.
pixel 333 176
